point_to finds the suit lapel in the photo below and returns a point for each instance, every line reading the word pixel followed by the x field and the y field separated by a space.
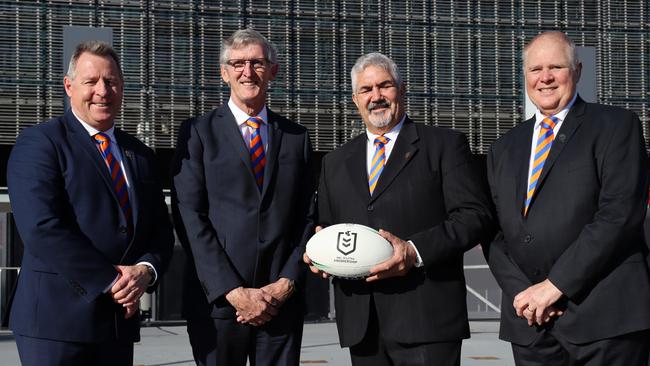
pixel 569 126
pixel 355 163
pixel 131 165
pixel 522 155
pixel 226 123
pixel 275 138
pixel 76 132
pixel 402 153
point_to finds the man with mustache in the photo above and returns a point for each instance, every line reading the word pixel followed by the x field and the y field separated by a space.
pixel 242 191
pixel 569 186
pixel 418 185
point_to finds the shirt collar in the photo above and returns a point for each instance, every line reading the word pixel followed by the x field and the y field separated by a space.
pixel 561 115
pixel 92 131
pixel 392 134
pixel 241 116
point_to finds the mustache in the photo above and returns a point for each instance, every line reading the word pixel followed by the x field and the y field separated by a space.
pixel 383 103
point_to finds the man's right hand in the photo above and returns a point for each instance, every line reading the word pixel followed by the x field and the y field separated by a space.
pixel 254 306
pixel 312 268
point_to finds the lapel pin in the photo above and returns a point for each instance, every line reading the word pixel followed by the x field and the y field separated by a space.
pixel 129 154
pixel 562 137
pixel 407 155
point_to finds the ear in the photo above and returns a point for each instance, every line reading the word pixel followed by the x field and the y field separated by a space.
pixel 354 99
pixel 224 74
pixel 67 84
pixel 274 71
pixel 578 71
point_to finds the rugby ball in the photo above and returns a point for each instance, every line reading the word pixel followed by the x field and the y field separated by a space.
pixel 348 250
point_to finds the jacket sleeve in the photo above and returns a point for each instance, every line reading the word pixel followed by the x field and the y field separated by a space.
pixel 469 214
pixel 190 206
pixel 294 267
pixel 46 220
pixel 616 228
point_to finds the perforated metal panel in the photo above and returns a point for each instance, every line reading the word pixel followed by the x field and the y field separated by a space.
pixel 461 60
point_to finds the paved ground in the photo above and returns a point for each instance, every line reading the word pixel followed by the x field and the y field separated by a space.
pixel 168 345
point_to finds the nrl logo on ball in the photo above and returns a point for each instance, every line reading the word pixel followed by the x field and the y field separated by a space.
pixel 347 242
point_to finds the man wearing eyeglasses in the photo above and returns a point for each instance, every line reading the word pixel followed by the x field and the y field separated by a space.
pixel 241 197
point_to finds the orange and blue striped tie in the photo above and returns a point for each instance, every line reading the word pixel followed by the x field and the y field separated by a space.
pixel 378 161
pixel 258 158
pixel 542 149
pixel 117 177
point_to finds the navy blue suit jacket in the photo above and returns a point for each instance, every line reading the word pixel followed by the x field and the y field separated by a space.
pixel 234 234
pixel 74 231
pixel 584 228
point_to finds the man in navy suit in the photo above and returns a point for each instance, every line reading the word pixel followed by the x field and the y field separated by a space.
pixel 90 211
pixel 242 194
pixel 569 186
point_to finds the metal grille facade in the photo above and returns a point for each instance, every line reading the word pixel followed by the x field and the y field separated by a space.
pixel 461 60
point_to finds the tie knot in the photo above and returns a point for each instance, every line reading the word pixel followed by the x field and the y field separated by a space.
pixel 254 122
pixel 101 138
pixel 549 122
pixel 381 140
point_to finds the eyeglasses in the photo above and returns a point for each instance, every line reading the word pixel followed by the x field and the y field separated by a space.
pixel 258 64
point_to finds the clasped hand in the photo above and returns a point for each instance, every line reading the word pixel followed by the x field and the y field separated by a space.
pixel 257 306
pixel 129 287
pixel 536 303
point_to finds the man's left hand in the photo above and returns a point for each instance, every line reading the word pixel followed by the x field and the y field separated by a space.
pixel 534 302
pixel 281 290
pixel 131 284
pixel 404 257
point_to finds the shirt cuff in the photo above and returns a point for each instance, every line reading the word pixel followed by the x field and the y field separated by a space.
pixel 418 262
pixel 153 270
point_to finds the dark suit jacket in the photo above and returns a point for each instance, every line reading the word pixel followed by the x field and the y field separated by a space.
pixel 235 235
pixel 428 192
pixel 584 229
pixel 74 231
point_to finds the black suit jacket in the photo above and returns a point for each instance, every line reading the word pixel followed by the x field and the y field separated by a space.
pixel 428 192
pixel 74 232
pixel 235 235
pixel 584 228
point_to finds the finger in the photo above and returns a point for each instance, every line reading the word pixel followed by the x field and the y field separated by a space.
pixel 306 259
pixel 318 228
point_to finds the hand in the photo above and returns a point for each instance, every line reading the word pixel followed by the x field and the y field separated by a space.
pixel 253 306
pixel 404 257
pixel 131 284
pixel 131 309
pixel 281 290
pixel 312 268
pixel 536 303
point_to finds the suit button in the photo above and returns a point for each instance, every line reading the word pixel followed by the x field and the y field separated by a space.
pixel 371 208
pixel 123 229
pixel 528 238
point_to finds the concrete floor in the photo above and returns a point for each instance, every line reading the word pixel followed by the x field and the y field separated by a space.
pixel 169 345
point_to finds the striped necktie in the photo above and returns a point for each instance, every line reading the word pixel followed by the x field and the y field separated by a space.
pixel 258 158
pixel 542 149
pixel 117 177
pixel 378 161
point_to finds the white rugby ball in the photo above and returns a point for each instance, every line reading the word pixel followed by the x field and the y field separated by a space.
pixel 348 250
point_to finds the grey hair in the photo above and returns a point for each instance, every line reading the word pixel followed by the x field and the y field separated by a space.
pixel 97 48
pixel 560 36
pixel 375 59
pixel 244 37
